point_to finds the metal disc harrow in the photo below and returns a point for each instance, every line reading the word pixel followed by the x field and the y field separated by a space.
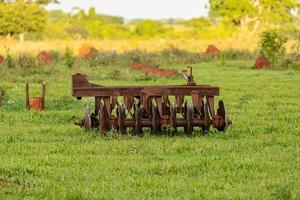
pixel 153 107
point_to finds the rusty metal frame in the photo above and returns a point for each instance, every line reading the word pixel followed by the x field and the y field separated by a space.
pixel 149 106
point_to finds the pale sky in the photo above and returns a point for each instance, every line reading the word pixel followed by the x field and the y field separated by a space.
pixel 131 9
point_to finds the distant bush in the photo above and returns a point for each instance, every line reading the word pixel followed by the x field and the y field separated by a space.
pixel 166 57
pixel 114 74
pixel 26 60
pixel 55 55
pixel 68 57
pixel 272 47
pixel 233 54
pixel 149 28
pixel 77 32
pixel 9 61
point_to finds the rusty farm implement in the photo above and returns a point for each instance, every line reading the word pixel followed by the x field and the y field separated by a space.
pixel 138 107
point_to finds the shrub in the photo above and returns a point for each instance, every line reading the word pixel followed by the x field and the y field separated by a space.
pixel 233 54
pixel 68 58
pixel 149 28
pixel 272 46
pixel 114 74
pixel 55 55
pixel 26 60
pixel 9 62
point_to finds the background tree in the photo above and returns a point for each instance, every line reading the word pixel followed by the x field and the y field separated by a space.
pixel 41 2
pixel 149 28
pixel 20 18
pixel 247 13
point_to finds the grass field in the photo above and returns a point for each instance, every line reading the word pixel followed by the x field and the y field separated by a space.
pixel 44 156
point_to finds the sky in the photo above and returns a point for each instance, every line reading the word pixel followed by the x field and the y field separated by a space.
pixel 132 9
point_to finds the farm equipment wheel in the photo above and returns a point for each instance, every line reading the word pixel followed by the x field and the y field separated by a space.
pixel 87 122
pixel 189 117
pixel 121 118
pixel 103 119
pixel 184 115
pixel 173 112
pixel 155 119
pixel 224 115
pixel 207 122
pixel 138 120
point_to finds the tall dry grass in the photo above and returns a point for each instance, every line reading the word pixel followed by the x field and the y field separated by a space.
pixel 192 45
pixel 248 43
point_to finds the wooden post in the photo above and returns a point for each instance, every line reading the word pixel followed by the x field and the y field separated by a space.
pixel 27 95
pixel 0 97
pixel 43 95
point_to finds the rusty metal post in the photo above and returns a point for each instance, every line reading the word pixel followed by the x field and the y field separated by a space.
pixel 27 95
pixel 43 95
pixel 1 96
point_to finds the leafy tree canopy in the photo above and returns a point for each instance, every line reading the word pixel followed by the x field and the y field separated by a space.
pixel 244 12
pixel 21 17
pixel 41 2
pixel 149 28
pixel 198 23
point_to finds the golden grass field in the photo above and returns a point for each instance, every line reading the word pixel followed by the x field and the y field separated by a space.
pixel 250 44
pixel 193 45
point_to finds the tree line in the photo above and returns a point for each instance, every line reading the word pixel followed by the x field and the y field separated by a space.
pixel 30 18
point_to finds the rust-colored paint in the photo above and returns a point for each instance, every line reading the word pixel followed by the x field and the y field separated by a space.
pixel 36 103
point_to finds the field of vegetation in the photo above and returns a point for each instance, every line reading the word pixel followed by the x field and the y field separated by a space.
pixel 43 155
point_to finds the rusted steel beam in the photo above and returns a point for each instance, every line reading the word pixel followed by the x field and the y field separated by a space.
pixel 82 88
pixel 136 91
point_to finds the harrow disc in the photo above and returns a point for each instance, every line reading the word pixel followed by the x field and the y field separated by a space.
pixel 224 116
pixel 189 116
pixel 207 121
pixel 155 119
pixel 87 122
pixel 138 120
pixel 103 119
pixel 121 118
pixel 173 112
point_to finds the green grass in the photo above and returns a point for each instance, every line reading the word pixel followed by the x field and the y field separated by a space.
pixel 44 156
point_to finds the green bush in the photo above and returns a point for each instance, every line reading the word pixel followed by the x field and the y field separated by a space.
pixel 55 55
pixel 26 60
pixel 272 47
pixel 69 58
pixel 149 28
pixel 9 61
pixel 233 54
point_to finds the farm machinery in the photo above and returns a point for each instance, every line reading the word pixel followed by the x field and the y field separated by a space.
pixel 138 107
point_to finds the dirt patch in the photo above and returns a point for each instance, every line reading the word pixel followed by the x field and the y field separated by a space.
pixel 1 59
pixel 44 57
pixel 87 51
pixel 168 73
pixel 6 183
pixel 212 49
pixel 262 62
